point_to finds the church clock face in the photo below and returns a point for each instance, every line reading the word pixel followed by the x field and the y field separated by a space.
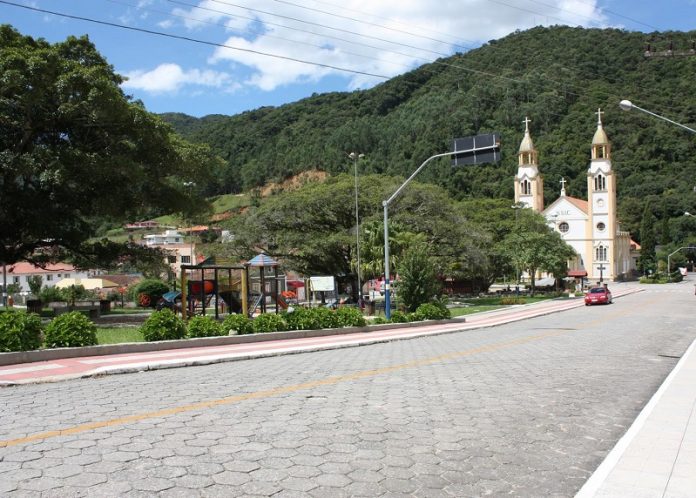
pixel 600 202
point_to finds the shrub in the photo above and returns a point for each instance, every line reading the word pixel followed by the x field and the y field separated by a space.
pixel 350 317
pixel 379 320
pixel 269 322
pixel 512 300
pixel 52 295
pixel 419 282
pixel 71 330
pixel 204 326
pixel 239 323
pixel 19 331
pixel 153 289
pixel 303 319
pixel 432 311
pixel 163 326
pixel 399 317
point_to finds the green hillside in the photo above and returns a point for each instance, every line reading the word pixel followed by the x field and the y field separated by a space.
pixel 557 76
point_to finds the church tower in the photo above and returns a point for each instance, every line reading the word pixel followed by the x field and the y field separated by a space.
pixel 529 185
pixel 601 228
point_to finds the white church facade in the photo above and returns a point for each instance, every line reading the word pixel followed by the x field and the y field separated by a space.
pixel 604 251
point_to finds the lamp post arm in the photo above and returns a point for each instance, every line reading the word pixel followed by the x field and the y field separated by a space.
pixel 664 118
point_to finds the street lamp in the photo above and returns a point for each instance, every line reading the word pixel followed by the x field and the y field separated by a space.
pixel 517 206
pixel 355 157
pixel 627 105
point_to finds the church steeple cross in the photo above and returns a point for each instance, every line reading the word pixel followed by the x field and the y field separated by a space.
pixel 562 182
pixel 599 116
pixel 526 123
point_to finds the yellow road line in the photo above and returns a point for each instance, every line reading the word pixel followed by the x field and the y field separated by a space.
pixel 289 389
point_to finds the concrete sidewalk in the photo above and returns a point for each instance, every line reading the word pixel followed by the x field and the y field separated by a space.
pixel 657 455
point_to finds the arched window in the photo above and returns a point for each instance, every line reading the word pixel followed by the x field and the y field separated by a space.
pixel 526 187
pixel 600 182
pixel 601 253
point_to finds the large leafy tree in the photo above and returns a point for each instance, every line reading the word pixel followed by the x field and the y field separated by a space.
pixel 74 151
pixel 648 238
pixel 533 246
pixel 313 228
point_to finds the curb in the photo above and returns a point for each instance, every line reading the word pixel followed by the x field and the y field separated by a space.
pixel 21 357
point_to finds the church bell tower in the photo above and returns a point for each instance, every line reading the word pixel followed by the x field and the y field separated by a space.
pixel 529 185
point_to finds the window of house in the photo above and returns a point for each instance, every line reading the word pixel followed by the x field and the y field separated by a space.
pixel 67 275
pixel 49 277
pixel 185 259
pixel 601 226
pixel 563 227
pixel 171 259
pixel 16 280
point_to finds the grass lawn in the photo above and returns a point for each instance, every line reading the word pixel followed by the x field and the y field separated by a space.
pixel 118 335
pixel 128 311
pixel 474 309
pixel 226 202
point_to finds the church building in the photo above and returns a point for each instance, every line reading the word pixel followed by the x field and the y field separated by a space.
pixel 604 251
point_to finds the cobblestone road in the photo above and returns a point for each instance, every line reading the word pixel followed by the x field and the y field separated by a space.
pixel 527 409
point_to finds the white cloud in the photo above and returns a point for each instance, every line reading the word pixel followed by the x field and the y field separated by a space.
pixel 383 38
pixel 170 78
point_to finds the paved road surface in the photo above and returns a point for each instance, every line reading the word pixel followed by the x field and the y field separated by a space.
pixel 528 408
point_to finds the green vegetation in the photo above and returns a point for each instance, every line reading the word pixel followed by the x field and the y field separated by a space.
pixel 163 326
pixel 70 330
pixel 19 331
pixel 118 335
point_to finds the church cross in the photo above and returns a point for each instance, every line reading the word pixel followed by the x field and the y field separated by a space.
pixel 599 115
pixel 526 123
pixel 562 182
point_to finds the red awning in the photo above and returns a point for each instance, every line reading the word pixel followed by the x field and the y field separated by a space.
pixel 577 273
pixel 295 283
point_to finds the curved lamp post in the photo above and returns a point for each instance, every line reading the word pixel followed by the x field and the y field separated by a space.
pixel 355 157
pixel 627 105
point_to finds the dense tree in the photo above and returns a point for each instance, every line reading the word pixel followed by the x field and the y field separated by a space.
pixel 418 282
pixel 313 228
pixel 74 151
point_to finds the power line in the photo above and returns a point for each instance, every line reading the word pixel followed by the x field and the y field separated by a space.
pixel 194 40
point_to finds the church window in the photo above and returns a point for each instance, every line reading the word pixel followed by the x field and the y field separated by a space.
pixel 601 226
pixel 526 187
pixel 600 182
pixel 563 227
pixel 601 253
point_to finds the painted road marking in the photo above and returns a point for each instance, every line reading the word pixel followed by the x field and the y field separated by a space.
pixel 35 368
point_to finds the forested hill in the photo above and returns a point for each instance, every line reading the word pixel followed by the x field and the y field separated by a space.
pixel 557 76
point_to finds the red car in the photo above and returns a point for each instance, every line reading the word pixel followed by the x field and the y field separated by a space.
pixel 598 295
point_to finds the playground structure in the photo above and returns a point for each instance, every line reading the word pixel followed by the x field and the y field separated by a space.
pixel 239 288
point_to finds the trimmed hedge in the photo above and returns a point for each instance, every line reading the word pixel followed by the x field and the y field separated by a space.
pixel 268 322
pixel 163 326
pixel 239 324
pixel 205 326
pixel 19 331
pixel 71 330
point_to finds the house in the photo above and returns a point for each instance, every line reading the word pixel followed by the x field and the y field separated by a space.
pixel 169 237
pixel 20 273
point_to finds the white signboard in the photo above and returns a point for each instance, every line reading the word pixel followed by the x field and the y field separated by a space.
pixel 322 284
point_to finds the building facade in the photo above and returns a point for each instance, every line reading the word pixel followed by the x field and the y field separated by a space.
pixel 590 226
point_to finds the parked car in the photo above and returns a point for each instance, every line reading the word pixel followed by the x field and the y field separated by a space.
pixel 598 295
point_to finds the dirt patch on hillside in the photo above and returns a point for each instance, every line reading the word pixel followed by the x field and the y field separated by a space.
pixel 294 182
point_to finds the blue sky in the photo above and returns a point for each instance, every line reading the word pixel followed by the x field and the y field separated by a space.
pixel 352 43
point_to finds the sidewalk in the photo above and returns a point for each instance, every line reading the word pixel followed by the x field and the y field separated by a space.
pixel 657 455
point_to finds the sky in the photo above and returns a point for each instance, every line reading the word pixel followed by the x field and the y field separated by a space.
pixel 230 56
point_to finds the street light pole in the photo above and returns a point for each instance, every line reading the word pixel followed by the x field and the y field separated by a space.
pixel 627 105
pixel 517 206
pixel 355 157
pixel 385 204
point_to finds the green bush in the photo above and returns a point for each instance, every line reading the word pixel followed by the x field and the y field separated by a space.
pixel 205 326
pixel 269 322
pixel 303 319
pixel 19 331
pixel 241 323
pixel 71 330
pixel 163 326
pixel 152 288
pixel 399 317
pixel 432 311
pixel 350 317
pixel 52 295
pixel 379 320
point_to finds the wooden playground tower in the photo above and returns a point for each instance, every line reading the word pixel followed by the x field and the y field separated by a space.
pixel 200 292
